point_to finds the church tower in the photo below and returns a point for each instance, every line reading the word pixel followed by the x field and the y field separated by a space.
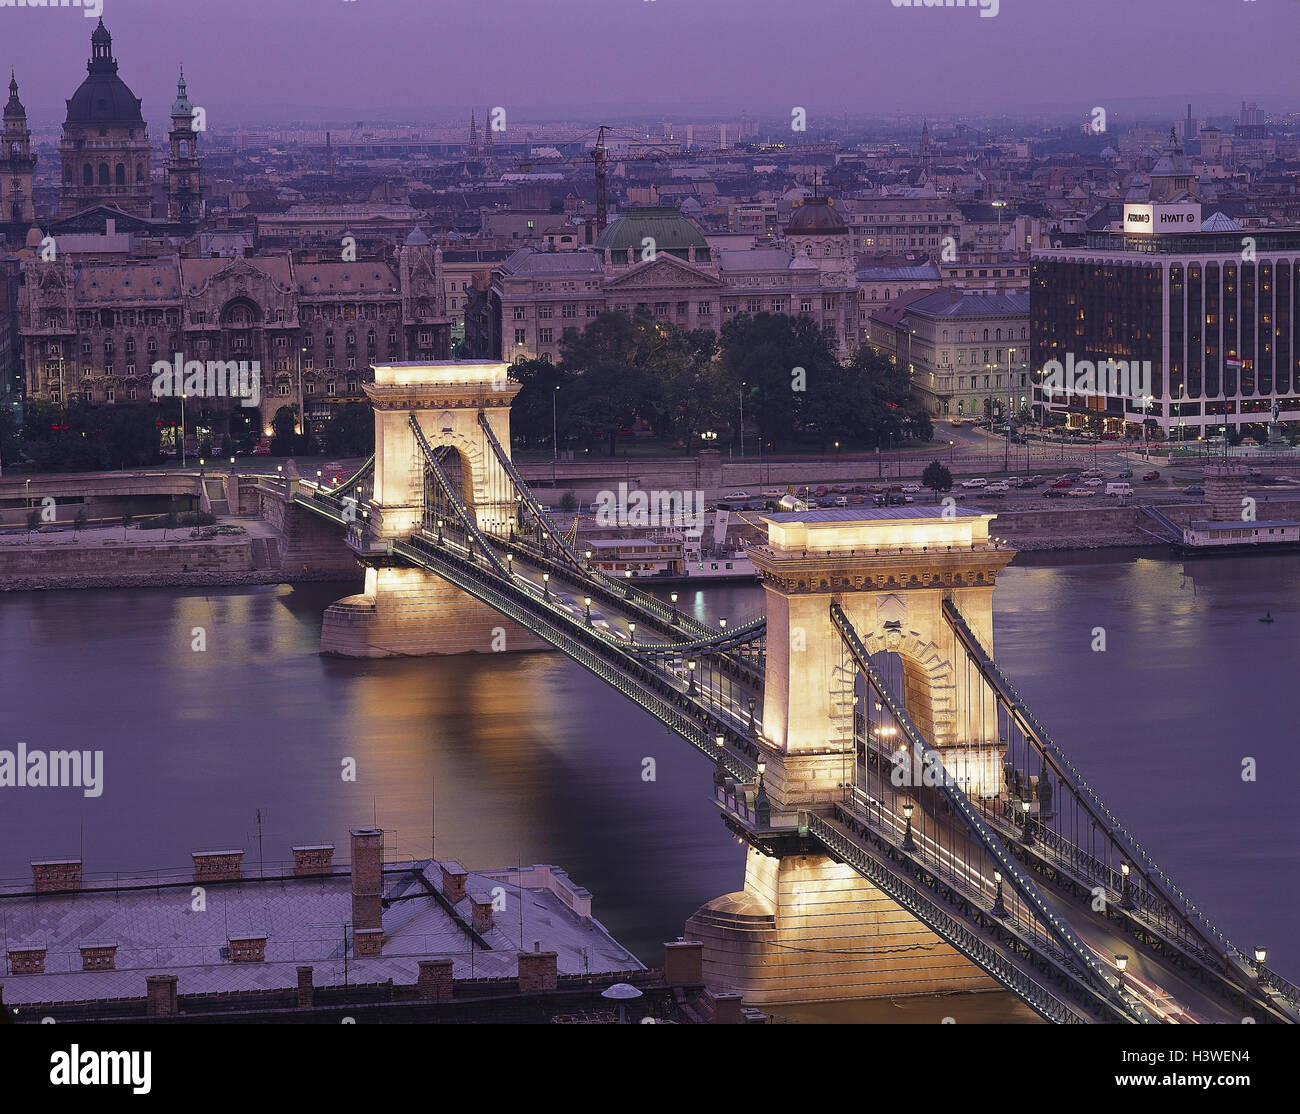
pixel 16 163
pixel 487 139
pixel 473 136
pixel 183 161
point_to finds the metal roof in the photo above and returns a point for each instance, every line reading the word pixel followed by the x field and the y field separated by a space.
pixel 874 514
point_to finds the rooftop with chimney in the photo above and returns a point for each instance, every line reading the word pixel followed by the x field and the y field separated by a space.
pixel 228 927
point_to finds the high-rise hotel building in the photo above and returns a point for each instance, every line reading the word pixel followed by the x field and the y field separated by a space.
pixel 1216 311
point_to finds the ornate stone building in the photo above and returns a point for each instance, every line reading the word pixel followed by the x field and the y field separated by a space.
pixel 16 164
pixel 93 331
pixel 654 259
pixel 105 146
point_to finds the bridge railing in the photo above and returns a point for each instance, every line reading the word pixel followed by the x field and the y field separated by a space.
pixel 948 927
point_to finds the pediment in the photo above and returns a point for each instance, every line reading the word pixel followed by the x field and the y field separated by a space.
pixel 664 272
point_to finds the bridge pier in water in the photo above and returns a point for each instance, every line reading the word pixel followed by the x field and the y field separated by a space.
pixel 806 927
pixel 411 611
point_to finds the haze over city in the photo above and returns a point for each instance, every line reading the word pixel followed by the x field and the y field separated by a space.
pixel 407 59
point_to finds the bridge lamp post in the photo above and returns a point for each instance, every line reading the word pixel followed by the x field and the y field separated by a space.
pixel 587 555
pixel 1261 954
pixel 1125 894
pixel 631 631
pixel 690 668
pixel 999 909
pixel 752 704
pixel 673 596
pixel 762 806
pixel 439 528
pixel 909 844
pixel 546 586
pixel 586 602
pixel 1025 806
pixel 719 771
pixel 510 564
pixel 1121 964
pixel 722 623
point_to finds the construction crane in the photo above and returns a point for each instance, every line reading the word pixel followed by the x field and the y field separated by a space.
pixel 598 157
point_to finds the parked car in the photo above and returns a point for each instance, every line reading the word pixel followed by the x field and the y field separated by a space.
pixel 841 501
pixel 913 488
pixel 855 499
pixel 1055 492
pixel 1081 493
pixel 773 492
pixel 999 485
pixel 1194 489
pixel 976 481
pixel 1125 473
pixel 736 495
pixel 1096 481
pixel 1063 482
pixel 1154 474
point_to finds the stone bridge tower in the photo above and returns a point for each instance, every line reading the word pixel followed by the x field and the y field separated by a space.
pixel 806 927
pixel 405 610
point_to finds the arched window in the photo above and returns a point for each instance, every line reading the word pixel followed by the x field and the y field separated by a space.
pixel 826 250
pixel 119 174
pixel 185 148
pixel 986 334
pixel 103 173
pixel 139 172
pixel 87 175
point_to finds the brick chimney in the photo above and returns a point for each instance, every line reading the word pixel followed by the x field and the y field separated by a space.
pixel 218 866
pixel 481 911
pixel 312 859
pixel 684 963
pixel 306 992
pixel 367 878
pixel 160 995
pixel 367 942
pixel 727 1008
pixel 453 880
pixel 435 980
pixel 52 876
pixel 538 971
pixel 27 961
pixel 248 949
pixel 98 957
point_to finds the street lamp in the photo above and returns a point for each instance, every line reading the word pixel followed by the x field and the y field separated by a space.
pixel 999 909
pixel 1029 831
pixel 586 602
pixel 546 586
pixel 631 631
pixel 722 623
pixel 440 531
pixel 183 398
pixel 909 844
pixel 753 703
pixel 673 596
pixel 690 668
pixel 1121 965
pixel 1125 894
pixel 510 563
pixel 719 771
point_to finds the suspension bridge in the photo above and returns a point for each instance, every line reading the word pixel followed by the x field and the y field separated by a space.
pixel 909 825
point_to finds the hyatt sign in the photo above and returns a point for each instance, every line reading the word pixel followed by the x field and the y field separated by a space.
pixel 1148 219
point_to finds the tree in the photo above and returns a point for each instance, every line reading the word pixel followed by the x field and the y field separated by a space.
pixel 170 522
pixel 937 477
pixel 282 426
pixel 33 521
pixel 610 400
pixel 79 523
pixel 127 519
pixel 350 430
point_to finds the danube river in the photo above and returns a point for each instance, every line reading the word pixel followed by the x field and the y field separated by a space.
pixel 529 758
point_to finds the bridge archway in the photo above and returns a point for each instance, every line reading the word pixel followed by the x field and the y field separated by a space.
pixel 890 577
pixel 446 400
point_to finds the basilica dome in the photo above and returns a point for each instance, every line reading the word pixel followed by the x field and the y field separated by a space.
pixel 103 100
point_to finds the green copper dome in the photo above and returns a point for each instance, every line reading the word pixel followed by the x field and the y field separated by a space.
pixel 664 224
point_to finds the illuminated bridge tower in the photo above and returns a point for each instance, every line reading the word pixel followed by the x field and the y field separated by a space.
pixel 405 610
pixel 806 927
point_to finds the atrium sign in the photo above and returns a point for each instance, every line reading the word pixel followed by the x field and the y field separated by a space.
pixel 1149 219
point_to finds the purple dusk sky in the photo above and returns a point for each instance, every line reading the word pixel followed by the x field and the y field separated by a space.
pixel 713 57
